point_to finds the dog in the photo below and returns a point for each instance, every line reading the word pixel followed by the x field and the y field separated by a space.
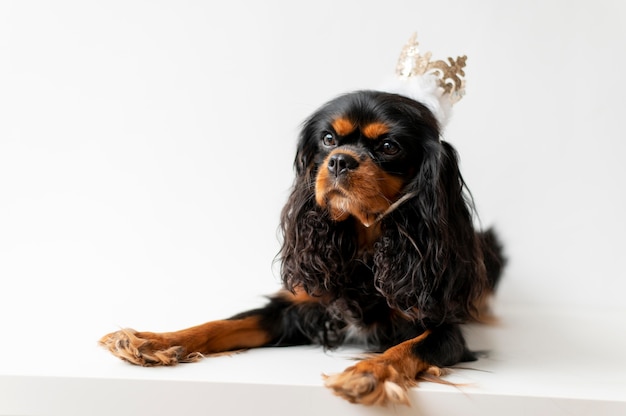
pixel 379 247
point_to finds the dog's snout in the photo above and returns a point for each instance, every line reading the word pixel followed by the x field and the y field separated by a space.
pixel 340 163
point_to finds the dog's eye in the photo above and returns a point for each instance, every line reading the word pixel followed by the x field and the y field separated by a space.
pixel 389 148
pixel 328 139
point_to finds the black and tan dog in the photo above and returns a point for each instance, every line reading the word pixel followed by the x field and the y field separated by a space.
pixel 379 247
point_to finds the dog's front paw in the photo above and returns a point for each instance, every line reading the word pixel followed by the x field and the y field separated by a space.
pixel 372 382
pixel 145 349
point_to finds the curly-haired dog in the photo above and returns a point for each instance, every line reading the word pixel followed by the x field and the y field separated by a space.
pixel 379 247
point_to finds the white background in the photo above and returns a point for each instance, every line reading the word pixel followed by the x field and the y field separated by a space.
pixel 146 147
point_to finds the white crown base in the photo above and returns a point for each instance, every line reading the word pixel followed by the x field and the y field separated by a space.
pixel 424 89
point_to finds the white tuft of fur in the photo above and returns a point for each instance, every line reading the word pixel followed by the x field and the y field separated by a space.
pixel 395 393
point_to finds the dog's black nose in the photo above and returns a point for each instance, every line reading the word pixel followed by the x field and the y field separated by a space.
pixel 341 163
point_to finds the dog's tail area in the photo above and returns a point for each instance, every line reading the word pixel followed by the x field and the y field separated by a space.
pixel 494 261
pixel 493 256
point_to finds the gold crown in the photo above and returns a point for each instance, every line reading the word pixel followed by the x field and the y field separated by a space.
pixel 450 75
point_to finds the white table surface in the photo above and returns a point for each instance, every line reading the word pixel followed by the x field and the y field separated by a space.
pixel 542 361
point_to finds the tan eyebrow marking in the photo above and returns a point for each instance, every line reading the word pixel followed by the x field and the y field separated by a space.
pixel 343 126
pixel 375 130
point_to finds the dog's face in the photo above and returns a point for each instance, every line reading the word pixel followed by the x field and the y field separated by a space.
pixel 362 149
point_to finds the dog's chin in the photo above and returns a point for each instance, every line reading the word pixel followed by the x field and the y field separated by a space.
pixel 341 206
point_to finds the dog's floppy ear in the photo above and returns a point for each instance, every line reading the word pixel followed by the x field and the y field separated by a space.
pixel 428 243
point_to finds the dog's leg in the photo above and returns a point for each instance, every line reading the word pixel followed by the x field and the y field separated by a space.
pixel 384 379
pixel 274 324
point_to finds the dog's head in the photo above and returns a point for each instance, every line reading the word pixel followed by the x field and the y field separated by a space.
pixel 362 150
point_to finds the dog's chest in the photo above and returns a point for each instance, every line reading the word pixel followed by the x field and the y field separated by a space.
pixel 367 236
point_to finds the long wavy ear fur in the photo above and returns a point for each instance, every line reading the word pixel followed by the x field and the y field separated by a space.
pixel 429 262
pixel 314 249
